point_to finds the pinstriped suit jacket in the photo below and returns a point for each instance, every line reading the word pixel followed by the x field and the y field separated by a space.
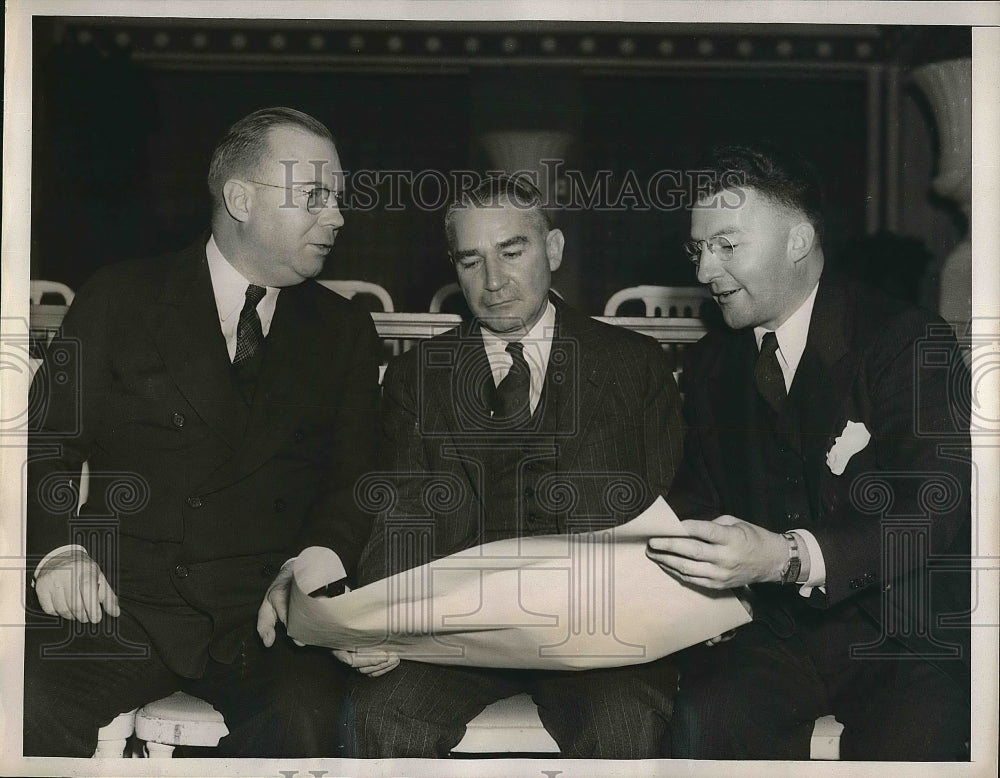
pixel 616 444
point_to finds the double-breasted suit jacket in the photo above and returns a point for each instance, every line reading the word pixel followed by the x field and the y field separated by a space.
pixel 899 509
pixel 603 442
pixel 197 496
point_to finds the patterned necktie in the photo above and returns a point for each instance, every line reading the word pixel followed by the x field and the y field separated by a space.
pixel 249 334
pixel 767 373
pixel 514 391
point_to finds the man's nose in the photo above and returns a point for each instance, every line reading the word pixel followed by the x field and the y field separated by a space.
pixel 709 267
pixel 495 276
pixel 330 215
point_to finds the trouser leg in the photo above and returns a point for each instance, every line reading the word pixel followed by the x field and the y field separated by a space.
pixel 420 710
pixel 282 701
pixel 617 713
pixel 78 677
pixel 755 696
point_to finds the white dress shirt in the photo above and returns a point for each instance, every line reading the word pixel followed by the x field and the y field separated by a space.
pixel 792 336
pixel 537 347
pixel 230 289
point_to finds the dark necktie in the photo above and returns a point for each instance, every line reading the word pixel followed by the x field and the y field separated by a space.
pixel 767 373
pixel 514 391
pixel 249 334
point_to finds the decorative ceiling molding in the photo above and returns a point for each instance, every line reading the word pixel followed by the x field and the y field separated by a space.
pixel 310 44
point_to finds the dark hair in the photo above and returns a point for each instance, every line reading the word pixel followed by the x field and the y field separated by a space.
pixel 492 192
pixel 244 147
pixel 783 177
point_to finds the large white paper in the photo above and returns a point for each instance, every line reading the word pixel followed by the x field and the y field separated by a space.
pixel 555 602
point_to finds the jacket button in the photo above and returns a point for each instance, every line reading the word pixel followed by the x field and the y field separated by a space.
pixel 194 502
pixel 792 479
pixel 529 492
pixel 181 571
pixel 299 436
pixel 793 515
pixel 178 419
pixel 279 505
pixel 855 583
pixel 268 571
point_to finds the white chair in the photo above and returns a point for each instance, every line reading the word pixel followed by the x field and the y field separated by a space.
pixel 510 725
pixel 349 289
pixel 39 288
pixel 178 720
pixel 668 301
pixel 111 739
pixel 442 294
pixel 825 743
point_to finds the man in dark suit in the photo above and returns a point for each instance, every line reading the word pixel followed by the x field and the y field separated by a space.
pixel 826 467
pixel 532 419
pixel 225 404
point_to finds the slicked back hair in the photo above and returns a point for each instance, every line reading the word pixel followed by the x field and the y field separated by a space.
pixel 495 192
pixel 783 177
pixel 245 146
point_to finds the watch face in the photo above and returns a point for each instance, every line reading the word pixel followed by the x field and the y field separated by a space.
pixel 792 573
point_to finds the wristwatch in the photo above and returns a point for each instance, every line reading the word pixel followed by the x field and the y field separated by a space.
pixel 794 565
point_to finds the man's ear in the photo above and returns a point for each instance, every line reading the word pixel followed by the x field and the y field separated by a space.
pixel 238 198
pixel 800 241
pixel 554 243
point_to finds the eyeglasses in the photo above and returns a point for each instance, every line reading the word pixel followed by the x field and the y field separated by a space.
pixel 719 246
pixel 317 198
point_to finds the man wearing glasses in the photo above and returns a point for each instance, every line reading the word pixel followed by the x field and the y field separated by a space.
pixel 226 408
pixel 826 471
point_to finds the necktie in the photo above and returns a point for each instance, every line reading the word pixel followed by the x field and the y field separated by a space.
pixel 249 334
pixel 514 391
pixel 767 373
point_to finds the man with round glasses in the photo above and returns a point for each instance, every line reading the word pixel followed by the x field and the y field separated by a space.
pixel 820 424
pixel 226 408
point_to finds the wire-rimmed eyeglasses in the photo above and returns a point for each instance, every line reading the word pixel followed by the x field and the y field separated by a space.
pixel 317 198
pixel 719 246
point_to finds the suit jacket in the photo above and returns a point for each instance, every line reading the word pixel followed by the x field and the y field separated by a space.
pixel 615 444
pixel 197 497
pixel 867 359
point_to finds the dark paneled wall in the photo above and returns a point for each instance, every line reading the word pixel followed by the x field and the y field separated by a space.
pixel 122 142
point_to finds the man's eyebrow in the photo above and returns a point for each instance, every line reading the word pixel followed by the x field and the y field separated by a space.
pixel 725 231
pixel 517 240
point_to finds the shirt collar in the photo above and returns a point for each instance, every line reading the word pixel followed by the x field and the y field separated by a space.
pixel 792 335
pixel 537 346
pixel 230 287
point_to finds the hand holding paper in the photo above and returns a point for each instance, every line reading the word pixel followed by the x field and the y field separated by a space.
pixel 551 602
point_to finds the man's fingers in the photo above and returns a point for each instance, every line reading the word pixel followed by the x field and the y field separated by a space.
pixel 107 596
pixel 347 657
pixel 88 599
pixel 709 531
pixel 60 604
pixel 265 622
pixel 683 547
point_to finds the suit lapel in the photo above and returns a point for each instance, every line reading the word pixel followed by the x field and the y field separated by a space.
pixel 741 412
pixel 184 323
pixel 292 353
pixel 577 367
pixel 826 372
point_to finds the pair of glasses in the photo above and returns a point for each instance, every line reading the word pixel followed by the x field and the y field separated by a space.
pixel 317 198
pixel 719 246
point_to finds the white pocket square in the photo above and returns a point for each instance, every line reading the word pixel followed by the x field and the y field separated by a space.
pixel 852 440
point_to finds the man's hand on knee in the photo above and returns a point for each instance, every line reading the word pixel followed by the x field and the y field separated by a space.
pixel 71 585
pixel 370 663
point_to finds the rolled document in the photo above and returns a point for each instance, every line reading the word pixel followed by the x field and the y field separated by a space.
pixel 553 602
